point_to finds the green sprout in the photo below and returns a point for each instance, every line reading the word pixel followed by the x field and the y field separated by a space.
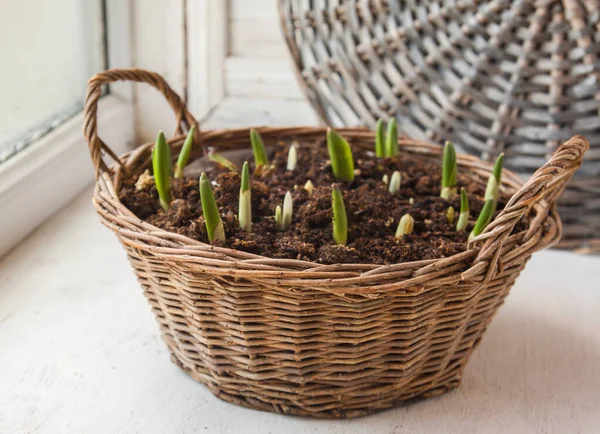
pixel 379 139
pixel 340 155
pixel 292 158
pixel 340 219
pixel 278 219
pixel 492 191
pixel 212 219
pixel 221 161
pixel 463 217
pixel 288 208
pixel 161 165
pixel 449 183
pixel 245 205
pixel 485 217
pixel 395 180
pixel 450 215
pixel 283 217
pixel 258 149
pixel 184 154
pixel 391 139
pixel 405 226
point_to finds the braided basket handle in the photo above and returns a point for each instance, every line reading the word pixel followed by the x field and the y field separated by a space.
pixel 90 112
pixel 543 188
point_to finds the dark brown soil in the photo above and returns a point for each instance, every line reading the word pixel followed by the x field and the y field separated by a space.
pixel 373 213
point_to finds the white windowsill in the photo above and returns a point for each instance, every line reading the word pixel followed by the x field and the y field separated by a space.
pixel 80 350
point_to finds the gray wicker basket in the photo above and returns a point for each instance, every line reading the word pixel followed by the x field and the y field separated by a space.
pixel 519 77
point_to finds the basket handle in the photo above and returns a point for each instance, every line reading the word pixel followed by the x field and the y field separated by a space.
pixel 543 188
pixel 90 112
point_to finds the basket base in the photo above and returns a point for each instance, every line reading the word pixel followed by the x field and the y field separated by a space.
pixel 263 404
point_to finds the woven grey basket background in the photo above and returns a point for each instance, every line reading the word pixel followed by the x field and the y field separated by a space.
pixel 519 77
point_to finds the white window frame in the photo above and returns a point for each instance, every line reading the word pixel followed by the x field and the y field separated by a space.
pixel 190 50
pixel 44 177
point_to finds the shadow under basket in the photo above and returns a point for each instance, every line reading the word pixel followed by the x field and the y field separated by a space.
pixel 317 340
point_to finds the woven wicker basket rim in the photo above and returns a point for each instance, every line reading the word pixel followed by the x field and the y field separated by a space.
pixel 538 194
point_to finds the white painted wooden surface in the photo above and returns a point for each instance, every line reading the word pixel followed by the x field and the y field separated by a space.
pixel 80 351
pixel 259 63
pixel 158 45
pixel 239 112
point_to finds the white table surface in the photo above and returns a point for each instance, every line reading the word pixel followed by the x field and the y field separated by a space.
pixel 80 352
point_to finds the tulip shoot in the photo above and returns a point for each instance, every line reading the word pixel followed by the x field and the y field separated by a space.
pixel 463 217
pixel 212 219
pixel 309 187
pixel 391 139
pixel 492 191
pixel 340 219
pixel 258 149
pixel 379 139
pixel 184 154
pixel 220 160
pixel 485 217
pixel 292 158
pixel 405 226
pixel 340 154
pixel 395 180
pixel 449 183
pixel 245 203
pixel 161 165
pixel 288 209
pixel 450 215
pixel 278 219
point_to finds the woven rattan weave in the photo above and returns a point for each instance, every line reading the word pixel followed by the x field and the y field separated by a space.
pixel 322 340
pixel 519 77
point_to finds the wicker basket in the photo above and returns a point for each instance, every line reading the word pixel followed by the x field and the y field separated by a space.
pixel 519 77
pixel 304 338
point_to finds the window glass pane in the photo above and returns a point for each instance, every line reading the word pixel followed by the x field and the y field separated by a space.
pixel 48 50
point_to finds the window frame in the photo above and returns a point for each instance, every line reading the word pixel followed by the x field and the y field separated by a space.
pixel 43 178
pixel 46 175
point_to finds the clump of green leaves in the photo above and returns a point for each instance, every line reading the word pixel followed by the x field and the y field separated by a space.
pixel 245 202
pixel 340 154
pixel 449 183
pixel 162 166
pixel 184 154
pixel 339 218
pixel 405 226
pixel 463 217
pixel 212 219
pixel 395 180
pixel 283 218
pixel 258 149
